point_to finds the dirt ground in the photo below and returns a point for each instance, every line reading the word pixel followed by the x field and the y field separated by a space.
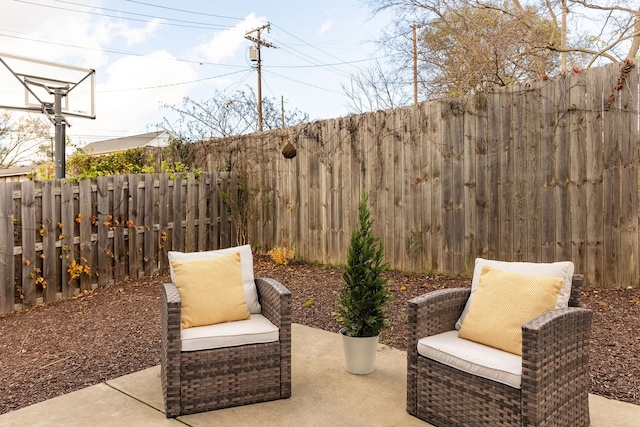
pixel 113 331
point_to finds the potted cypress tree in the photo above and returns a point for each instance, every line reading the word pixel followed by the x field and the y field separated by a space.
pixel 360 306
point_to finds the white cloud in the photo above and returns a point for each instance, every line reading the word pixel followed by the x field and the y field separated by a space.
pixel 138 35
pixel 226 44
pixel 326 26
pixel 135 90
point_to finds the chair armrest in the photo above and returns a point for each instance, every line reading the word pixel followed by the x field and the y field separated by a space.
pixel 275 300
pixel 171 305
pixel 171 348
pixel 555 362
pixel 429 314
pixel 433 313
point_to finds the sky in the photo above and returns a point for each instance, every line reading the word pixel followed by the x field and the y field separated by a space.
pixel 151 53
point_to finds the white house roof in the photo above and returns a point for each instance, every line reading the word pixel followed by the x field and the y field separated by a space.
pixel 151 139
pixel 17 171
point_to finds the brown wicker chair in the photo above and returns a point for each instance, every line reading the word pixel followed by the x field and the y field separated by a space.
pixel 197 381
pixel 555 369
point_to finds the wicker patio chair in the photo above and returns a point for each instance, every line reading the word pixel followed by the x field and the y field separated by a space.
pixel 203 380
pixel 554 380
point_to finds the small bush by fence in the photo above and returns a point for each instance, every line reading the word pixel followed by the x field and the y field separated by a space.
pixel 58 238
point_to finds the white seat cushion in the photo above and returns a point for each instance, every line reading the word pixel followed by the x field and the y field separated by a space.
pixel 255 330
pixel 473 358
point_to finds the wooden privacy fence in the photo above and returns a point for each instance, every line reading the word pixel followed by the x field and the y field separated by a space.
pixel 59 238
pixel 539 172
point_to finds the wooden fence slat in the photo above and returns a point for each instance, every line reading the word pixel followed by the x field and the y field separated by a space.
pixel 84 220
pixel 7 259
pixel 216 202
pixel 49 227
pixel 533 172
pixel 28 233
pixel 627 117
pixel 520 145
pixel 611 178
pixel 595 172
pixel 457 195
pixel 164 195
pixel 546 208
pixel 118 225
pixel 506 196
pixel 398 206
pixel 562 171
pixel 413 158
pixel 493 176
pixel 150 245
pixel 436 199
pixel 105 247
pixel 235 210
pixel 203 196
pixel 481 142
pixel 223 188
pixel 67 217
pixel 134 223
pixel 577 109
pixel 191 211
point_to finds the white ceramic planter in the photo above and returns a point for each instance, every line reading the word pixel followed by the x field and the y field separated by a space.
pixel 359 353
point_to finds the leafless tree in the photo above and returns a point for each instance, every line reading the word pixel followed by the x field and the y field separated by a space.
pixel 376 88
pixel 466 45
pixel 224 116
pixel 23 139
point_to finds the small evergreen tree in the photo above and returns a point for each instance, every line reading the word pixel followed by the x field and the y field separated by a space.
pixel 360 307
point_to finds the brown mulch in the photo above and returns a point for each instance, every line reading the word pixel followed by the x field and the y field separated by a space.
pixel 113 331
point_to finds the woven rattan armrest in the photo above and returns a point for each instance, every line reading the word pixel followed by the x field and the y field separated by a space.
pixel 429 314
pixel 555 360
pixel 435 312
pixel 275 300
pixel 171 347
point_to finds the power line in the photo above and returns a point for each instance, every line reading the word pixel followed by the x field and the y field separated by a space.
pixel 118 52
pixel 199 26
pixel 185 11
pixel 309 44
pixel 303 83
pixel 174 84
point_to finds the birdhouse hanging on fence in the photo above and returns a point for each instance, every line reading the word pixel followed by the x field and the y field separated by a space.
pixel 289 151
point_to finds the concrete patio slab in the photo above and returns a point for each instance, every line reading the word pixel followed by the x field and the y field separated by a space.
pixel 99 405
pixel 323 394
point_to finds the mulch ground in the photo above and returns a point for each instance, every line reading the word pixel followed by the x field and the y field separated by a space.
pixel 95 336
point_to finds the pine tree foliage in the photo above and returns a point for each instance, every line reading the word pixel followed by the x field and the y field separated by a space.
pixel 360 307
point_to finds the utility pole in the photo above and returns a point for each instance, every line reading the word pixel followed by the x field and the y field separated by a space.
pixel 249 35
pixel 415 66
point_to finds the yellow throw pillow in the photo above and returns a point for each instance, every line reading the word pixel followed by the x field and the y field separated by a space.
pixel 210 290
pixel 503 302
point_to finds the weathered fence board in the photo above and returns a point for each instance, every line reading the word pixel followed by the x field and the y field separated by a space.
pixel 544 171
pixel 7 266
pixel 525 173
pixel 70 237
pixel 576 111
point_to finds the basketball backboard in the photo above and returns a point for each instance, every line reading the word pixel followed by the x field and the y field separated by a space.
pixel 29 84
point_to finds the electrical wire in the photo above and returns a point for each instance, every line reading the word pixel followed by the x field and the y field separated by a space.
pixel 185 11
pixel 118 17
pixel 172 84
pixel 118 52
pixel 204 24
